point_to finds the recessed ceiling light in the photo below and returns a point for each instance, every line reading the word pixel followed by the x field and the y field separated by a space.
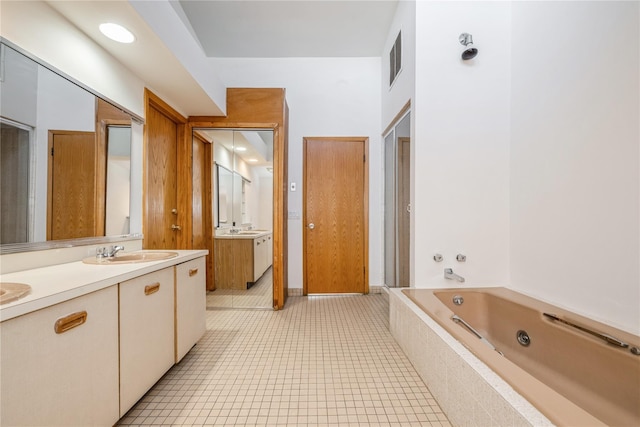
pixel 252 160
pixel 240 148
pixel 117 32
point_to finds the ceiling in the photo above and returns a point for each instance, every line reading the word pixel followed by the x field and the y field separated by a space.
pixel 294 28
pixel 231 29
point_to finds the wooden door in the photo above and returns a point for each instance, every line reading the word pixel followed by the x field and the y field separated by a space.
pixel 202 227
pixel 167 216
pixel 335 215
pixel 404 210
pixel 72 185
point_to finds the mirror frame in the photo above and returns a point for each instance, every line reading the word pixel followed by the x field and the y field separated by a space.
pixel 85 241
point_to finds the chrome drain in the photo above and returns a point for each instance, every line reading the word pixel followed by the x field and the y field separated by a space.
pixel 523 338
pixel 458 300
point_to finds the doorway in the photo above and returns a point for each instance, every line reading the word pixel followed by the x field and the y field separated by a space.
pixel 335 237
pixel 71 197
pixel 241 210
pixel 397 203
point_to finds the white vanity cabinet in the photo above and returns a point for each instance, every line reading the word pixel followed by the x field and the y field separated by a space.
pixel 191 305
pixel 147 346
pixel 59 365
pixel 262 255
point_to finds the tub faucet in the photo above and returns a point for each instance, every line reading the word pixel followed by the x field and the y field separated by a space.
pixel 449 274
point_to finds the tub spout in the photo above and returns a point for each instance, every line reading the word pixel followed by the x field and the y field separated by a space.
pixel 449 274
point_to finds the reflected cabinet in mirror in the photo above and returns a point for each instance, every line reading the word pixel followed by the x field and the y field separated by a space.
pixel 65 157
pixel 242 217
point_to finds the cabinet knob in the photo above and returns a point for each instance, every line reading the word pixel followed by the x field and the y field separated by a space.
pixel 175 227
pixel 193 272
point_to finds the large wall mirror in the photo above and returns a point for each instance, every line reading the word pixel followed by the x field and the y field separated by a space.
pixel 66 170
pixel 242 217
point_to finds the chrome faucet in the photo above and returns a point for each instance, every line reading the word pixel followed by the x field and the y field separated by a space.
pixel 449 274
pixel 114 250
pixel 234 230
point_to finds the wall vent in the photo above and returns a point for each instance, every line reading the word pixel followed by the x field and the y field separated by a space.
pixel 395 59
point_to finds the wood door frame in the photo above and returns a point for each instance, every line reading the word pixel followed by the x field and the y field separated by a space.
pixel 106 115
pixel 365 207
pixel 183 172
pixel 278 205
pixel 207 216
pixel 263 108
pixel 400 210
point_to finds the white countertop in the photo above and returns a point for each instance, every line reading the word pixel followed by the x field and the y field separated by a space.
pixel 246 235
pixel 62 282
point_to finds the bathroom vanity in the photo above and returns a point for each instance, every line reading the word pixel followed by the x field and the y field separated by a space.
pixel 242 258
pixel 90 340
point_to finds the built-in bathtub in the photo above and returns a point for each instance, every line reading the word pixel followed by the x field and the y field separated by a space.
pixel 561 374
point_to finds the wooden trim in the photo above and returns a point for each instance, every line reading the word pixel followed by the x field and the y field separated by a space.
pixel 159 104
pixel 264 109
pixel 397 118
pixel 366 214
pixel 106 115
pixel 207 206
pixel 49 182
pixel 185 186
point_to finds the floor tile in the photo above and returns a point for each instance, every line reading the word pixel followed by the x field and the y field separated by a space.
pixel 321 361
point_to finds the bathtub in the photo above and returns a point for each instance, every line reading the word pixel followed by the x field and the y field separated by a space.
pixel 570 376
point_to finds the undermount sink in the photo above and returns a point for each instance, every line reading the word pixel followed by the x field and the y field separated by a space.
pixel 12 291
pixel 132 257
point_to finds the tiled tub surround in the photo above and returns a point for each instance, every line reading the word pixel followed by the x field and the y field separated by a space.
pixel 471 392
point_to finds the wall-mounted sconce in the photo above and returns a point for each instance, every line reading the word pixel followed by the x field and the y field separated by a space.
pixel 466 40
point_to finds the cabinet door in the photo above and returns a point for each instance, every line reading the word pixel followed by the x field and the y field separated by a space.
pixel 146 333
pixel 191 305
pixel 257 258
pixel 269 251
pixel 65 374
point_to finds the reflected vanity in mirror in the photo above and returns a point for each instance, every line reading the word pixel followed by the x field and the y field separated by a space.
pixel 66 158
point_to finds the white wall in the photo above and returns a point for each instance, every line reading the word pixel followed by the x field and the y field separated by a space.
pixel 396 96
pixel 575 189
pixel 37 28
pixel 461 122
pixel 326 97
pixel 56 98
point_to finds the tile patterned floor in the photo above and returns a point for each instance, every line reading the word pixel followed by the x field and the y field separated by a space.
pixel 322 361
pixel 260 295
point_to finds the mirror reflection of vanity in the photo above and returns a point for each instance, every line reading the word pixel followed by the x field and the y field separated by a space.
pixel 66 154
pixel 242 215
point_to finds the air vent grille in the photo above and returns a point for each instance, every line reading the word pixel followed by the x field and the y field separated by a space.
pixel 395 59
